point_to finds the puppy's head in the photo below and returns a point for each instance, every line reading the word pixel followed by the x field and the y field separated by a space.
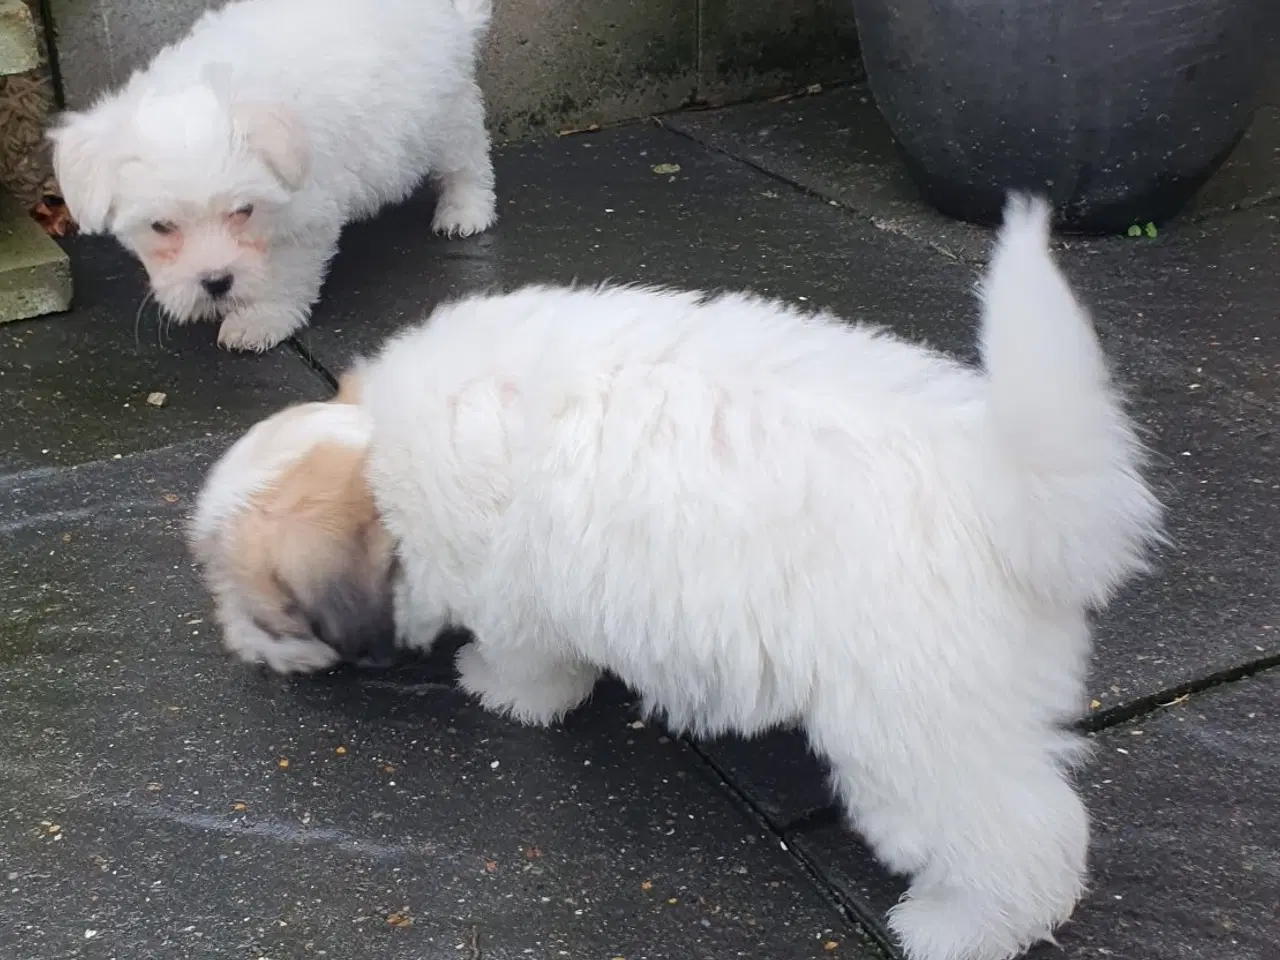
pixel 193 181
pixel 286 529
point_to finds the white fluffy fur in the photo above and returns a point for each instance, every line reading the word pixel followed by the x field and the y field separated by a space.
pixel 759 517
pixel 312 112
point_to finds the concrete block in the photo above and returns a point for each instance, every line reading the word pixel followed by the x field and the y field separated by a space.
pixel 35 274
pixel 19 49
pixel 755 48
pixel 547 64
pixel 552 64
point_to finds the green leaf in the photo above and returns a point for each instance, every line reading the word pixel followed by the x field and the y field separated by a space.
pixel 1135 231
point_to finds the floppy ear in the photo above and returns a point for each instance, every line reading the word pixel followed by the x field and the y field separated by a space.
pixel 274 131
pixel 85 164
pixel 320 539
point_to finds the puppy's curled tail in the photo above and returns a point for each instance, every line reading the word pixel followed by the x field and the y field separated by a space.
pixel 1084 518
pixel 476 14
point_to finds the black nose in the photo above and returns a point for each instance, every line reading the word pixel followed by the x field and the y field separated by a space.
pixel 217 284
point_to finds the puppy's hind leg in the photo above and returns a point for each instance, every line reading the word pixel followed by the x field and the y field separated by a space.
pixel 464 171
pixel 981 816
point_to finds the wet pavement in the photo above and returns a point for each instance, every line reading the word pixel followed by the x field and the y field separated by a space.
pixel 158 800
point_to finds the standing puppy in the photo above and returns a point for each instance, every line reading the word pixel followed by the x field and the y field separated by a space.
pixel 756 518
pixel 230 165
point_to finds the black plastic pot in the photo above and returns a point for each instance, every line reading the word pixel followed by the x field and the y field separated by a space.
pixel 1118 110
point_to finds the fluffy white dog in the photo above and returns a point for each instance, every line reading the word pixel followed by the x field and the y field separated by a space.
pixel 755 517
pixel 229 165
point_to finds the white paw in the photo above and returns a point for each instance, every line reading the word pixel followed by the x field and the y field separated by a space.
pixel 257 329
pixel 947 924
pixel 539 698
pixel 465 212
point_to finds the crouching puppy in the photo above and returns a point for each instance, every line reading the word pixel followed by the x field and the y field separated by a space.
pixel 230 164
pixel 755 517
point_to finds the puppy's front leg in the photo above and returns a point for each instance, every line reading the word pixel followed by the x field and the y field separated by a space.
pixel 295 275
pixel 464 172
pixel 521 681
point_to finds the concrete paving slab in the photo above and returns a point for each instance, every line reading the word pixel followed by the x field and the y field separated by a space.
pixel 592 208
pixel 75 387
pixel 160 801
pixel 1186 855
pixel 836 145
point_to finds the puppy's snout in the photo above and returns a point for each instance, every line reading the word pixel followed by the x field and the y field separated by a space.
pixel 217 285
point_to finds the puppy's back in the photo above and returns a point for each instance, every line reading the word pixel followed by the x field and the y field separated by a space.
pixel 662 471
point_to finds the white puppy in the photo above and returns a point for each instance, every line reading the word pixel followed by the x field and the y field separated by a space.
pixel 754 517
pixel 230 164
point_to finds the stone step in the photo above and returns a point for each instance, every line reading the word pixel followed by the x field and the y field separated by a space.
pixel 35 274
pixel 19 49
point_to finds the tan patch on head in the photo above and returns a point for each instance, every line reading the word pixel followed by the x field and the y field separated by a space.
pixel 312 534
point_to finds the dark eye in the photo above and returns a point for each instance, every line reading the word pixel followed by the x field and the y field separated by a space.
pixel 163 227
pixel 246 211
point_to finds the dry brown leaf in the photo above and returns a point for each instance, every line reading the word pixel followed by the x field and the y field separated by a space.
pixel 52 214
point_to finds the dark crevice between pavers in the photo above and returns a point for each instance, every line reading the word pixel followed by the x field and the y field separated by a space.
pixel 1143 706
pixel 870 923
pixel 303 353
